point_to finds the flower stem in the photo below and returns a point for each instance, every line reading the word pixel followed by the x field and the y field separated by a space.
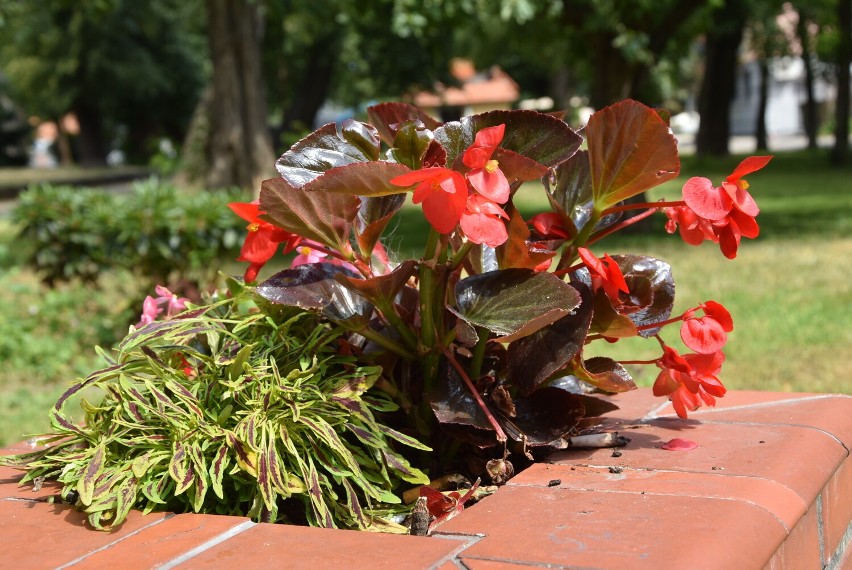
pixel 621 225
pixel 501 435
pixel 479 352
pixel 386 342
pixel 389 313
pixel 460 255
pixel 642 205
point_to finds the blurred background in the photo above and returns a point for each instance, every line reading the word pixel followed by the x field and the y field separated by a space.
pixel 127 126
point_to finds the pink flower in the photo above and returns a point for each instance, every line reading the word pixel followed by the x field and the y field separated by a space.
pixel 307 255
pixel 481 221
pixel 153 307
pixel 443 193
pixel 707 334
pixel 605 273
pixel 485 175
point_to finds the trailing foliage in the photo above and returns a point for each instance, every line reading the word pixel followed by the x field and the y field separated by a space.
pixel 227 410
pixel 157 232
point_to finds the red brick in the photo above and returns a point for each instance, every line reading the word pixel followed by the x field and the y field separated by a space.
pixel 801 550
pixel 168 540
pixel 799 458
pixel 837 506
pixel 564 527
pixel 777 499
pixel 39 535
pixel 275 546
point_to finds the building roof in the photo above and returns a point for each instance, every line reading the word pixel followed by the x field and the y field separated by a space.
pixel 493 86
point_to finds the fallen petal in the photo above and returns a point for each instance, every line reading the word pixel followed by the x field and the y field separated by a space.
pixel 678 444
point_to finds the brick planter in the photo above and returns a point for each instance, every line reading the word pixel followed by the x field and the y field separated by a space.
pixel 770 486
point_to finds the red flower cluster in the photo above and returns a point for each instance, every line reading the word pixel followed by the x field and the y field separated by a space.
pixel 262 240
pixel 689 380
pixel 723 214
pixel 447 201
pixel 606 274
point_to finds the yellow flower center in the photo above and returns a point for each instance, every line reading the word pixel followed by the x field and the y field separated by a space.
pixel 491 166
pixel 253 227
pixel 743 185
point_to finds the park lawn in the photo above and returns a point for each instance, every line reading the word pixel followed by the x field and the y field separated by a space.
pixel 788 292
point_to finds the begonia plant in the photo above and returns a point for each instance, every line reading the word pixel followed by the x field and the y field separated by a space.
pixel 482 337
pixel 332 385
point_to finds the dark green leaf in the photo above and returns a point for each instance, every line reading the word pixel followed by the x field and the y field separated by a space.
pixel 603 373
pixel 655 305
pixel 373 217
pixel 542 138
pixel 545 417
pixel 410 144
pixel 325 217
pixel 388 116
pixel 360 178
pixel 314 287
pixel 630 151
pixel 514 303
pixel 380 290
pixel 458 412
pixel 329 146
pixel 535 358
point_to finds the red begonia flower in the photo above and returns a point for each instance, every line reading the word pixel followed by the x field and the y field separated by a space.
pixel 549 226
pixel 481 221
pixel 605 273
pixel 262 239
pixel 485 174
pixel 730 209
pixel 689 380
pixel 707 334
pixel 443 193
pixel 693 228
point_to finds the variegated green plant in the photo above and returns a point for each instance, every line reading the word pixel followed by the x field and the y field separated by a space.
pixel 226 410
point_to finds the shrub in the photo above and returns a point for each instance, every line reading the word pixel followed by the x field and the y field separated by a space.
pixel 160 234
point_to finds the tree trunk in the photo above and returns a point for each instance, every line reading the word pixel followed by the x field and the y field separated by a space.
pixel 719 84
pixel 810 101
pixel 840 152
pixel 763 97
pixel 239 148
pixel 91 145
pixel 315 84
pixel 611 72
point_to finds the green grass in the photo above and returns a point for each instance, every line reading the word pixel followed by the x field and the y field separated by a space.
pixel 788 291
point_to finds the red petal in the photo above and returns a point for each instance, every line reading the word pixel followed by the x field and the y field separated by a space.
pixel 665 384
pixel 747 166
pixel 246 210
pixel 415 176
pixel 492 185
pixel 483 229
pixel 705 200
pixel 443 210
pixel 718 312
pixel 678 444
pixel 747 225
pixel 258 248
pixel 489 136
pixel 704 335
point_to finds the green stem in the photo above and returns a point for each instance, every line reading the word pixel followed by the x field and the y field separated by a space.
pixel 588 228
pixel 428 334
pixel 479 352
pixel 460 255
pixel 386 342
pixel 387 310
